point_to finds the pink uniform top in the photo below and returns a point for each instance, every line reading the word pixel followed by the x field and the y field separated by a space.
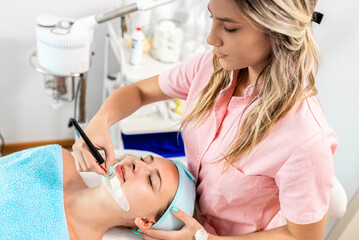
pixel 290 170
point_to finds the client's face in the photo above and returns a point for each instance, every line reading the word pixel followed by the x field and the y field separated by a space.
pixel 149 184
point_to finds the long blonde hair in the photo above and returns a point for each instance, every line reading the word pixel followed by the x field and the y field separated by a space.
pixel 289 76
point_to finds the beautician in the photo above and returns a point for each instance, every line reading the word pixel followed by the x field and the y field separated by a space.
pixel 255 135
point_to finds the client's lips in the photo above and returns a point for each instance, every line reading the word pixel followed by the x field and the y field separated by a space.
pixel 121 172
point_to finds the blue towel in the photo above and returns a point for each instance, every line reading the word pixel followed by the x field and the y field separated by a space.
pixel 31 195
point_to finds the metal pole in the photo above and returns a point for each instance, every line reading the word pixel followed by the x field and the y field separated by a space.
pixel 82 99
pixel 117 13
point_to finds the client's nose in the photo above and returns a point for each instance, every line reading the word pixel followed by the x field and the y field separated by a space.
pixel 138 166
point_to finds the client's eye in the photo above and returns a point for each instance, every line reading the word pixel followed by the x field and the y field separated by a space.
pixel 150 181
pixel 142 159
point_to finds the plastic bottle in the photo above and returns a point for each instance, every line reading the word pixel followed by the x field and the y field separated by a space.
pixel 136 51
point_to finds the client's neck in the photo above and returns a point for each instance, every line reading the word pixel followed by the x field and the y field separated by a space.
pixel 94 209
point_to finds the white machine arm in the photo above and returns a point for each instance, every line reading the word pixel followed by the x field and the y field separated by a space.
pixel 140 5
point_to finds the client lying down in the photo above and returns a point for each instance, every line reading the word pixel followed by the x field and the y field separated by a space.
pixel 42 196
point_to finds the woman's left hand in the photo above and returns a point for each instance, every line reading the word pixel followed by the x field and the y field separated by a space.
pixel 186 233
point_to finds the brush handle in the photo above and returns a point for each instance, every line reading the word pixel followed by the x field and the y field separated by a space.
pixel 89 144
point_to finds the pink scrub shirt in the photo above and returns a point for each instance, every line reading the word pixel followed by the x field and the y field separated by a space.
pixel 290 170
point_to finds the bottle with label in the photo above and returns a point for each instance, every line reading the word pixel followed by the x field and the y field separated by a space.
pixel 136 50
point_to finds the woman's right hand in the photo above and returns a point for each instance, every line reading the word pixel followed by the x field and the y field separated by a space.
pixel 97 132
pixel 130 98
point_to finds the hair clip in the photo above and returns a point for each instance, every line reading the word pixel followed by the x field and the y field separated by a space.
pixel 317 17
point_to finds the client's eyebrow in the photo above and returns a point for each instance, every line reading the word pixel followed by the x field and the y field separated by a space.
pixel 158 173
pixel 223 19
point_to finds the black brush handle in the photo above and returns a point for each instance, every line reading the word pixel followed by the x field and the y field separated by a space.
pixel 89 144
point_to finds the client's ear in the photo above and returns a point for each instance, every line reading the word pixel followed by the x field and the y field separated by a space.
pixel 144 222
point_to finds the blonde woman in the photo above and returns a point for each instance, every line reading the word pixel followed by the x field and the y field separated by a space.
pixel 255 135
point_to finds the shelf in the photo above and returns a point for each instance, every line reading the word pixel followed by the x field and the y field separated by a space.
pixel 137 124
pixel 149 67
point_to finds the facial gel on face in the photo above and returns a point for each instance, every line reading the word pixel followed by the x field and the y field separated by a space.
pixel 114 187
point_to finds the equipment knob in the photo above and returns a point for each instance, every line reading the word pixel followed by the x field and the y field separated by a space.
pixel 46 20
pixel 65 24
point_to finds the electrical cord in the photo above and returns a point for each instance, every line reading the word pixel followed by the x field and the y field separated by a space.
pixel 2 144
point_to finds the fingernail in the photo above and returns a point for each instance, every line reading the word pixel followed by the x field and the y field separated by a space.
pixel 174 209
pixel 139 230
pixel 104 175
pixel 111 169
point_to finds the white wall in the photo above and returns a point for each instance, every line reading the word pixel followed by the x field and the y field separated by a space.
pixel 26 113
pixel 338 84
